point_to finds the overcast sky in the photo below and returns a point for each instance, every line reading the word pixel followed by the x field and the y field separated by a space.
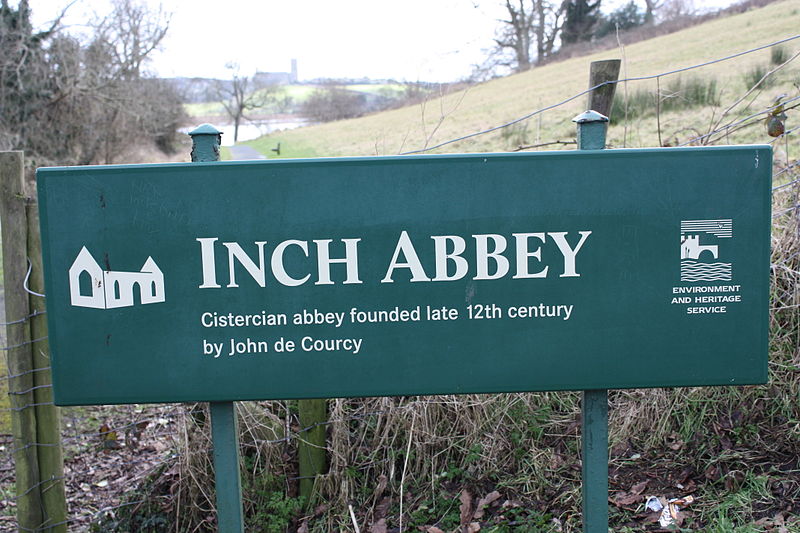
pixel 411 40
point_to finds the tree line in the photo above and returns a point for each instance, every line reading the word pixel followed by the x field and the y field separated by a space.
pixel 534 30
pixel 69 100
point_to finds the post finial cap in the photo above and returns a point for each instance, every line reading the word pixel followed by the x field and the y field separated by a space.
pixel 590 116
pixel 205 129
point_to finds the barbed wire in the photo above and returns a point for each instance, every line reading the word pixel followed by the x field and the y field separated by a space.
pixel 31 389
pixel 22 374
pixel 594 88
pixel 22 320
pixel 785 185
pixel 751 120
pixel 20 345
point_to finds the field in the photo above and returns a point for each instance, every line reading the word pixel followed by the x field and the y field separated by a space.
pixel 500 101
pixel 298 94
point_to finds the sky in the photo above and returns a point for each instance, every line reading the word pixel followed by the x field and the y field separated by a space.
pixel 412 40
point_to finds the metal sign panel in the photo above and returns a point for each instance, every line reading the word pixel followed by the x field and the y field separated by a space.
pixel 407 275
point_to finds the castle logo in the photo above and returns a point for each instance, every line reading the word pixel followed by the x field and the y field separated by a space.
pixel 700 250
pixel 91 286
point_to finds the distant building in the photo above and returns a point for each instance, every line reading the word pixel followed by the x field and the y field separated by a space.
pixel 277 78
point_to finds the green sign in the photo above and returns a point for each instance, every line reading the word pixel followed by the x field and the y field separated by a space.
pixel 407 275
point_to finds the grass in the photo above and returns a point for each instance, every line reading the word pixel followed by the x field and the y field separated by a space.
pixel 756 74
pixel 291 147
pixel 680 93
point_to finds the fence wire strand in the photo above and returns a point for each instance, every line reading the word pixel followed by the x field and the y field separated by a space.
pixel 594 88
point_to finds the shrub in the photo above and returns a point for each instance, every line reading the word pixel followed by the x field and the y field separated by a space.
pixel 754 75
pixel 778 55
pixel 679 93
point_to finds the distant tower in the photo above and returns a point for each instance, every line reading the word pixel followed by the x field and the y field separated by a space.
pixel 293 76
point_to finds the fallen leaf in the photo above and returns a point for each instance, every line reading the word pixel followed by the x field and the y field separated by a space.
pixel 434 529
pixel 382 509
pixel 625 499
pixel 485 502
pixel 639 487
pixel 466 507
pixel 379 526
pixel 474 527
pixel 382 481
pixel 303 527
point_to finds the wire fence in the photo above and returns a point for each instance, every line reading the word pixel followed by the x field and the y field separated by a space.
pixel 117 447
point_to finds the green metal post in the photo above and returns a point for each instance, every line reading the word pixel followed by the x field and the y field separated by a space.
pixel 225 438
pixel 592 128
pixel 206 140
pixel 594 451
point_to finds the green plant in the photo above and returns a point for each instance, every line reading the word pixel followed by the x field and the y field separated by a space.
pixel 515 135
pixel 517 519
pixel 778 55
pixel 267 507
pixel 758 74
pixel 679 93
pixel 275 514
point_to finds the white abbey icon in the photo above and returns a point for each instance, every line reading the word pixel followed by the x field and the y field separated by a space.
pixel 110 289
pixel 700 262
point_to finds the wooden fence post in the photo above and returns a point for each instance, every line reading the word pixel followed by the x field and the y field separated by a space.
pixel 312 453
pixel 602 98
pixel 38 461
pixel 18 339
pixel 48 416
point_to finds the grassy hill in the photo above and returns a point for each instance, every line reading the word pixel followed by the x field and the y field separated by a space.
pixel 496 102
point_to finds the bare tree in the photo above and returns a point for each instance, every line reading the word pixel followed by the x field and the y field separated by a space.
pixel 333 102
pixel 71 101
pixel 241 94
pixel 528 21
pixel 132 32
pixel 676 9
pixel 581 18
pixel 650 8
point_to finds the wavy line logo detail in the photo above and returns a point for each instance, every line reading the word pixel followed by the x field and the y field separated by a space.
pixel 700 250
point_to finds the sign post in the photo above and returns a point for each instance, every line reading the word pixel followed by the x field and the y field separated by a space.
pixel 592 127
pixel 391 276
pixel 206 142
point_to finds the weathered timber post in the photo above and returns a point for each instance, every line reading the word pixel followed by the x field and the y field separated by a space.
pixel 312 454
pixel 48 416
pixel 18 341
pixel 206 140
pixel 603 72
pixel 592 128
